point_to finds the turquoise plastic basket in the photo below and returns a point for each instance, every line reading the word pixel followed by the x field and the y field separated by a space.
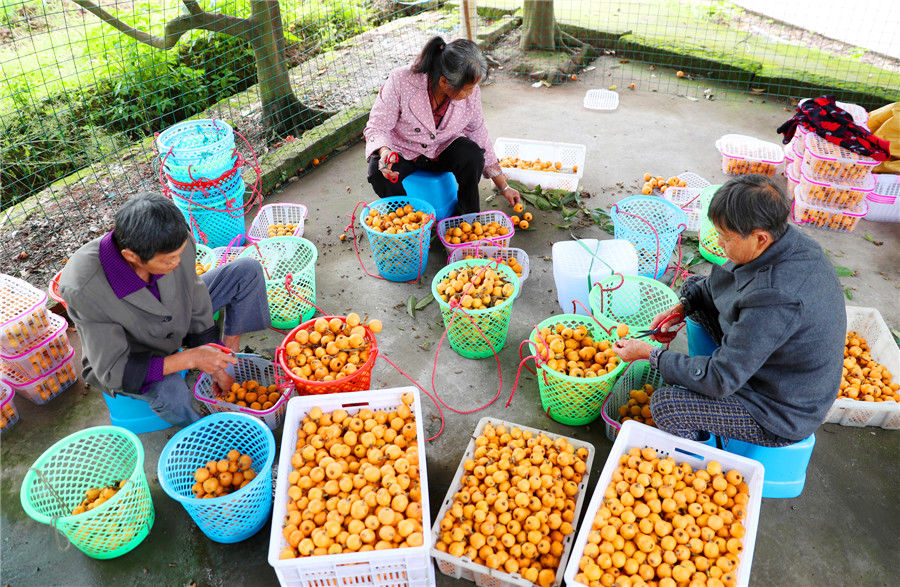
pixel 216 227
pixel 236 516
pixel 92 458
pixel 197 148
pixel 653 226
pixel 404 256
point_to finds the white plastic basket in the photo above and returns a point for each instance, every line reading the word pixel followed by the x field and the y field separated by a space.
pixel 850 412
pixel 487 251
pixel 792 179
pixel 601 100
pixel 396 567
pixel 464 568
pixel 838 194
pixel 569 154
pixel 248 367
pixel 41 390
pixel 692 180
pixel 688 199
pixel 742 154
pixel 23 315
pixel 884 201
pixel 827 217
pixel 834 163
pixel 9 415
pixel 697 456
pixel 272 214
pixel 484 218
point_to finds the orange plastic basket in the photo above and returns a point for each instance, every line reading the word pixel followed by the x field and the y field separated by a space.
pixel 358 381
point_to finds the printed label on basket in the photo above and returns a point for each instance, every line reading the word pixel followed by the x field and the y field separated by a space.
pixel 460 560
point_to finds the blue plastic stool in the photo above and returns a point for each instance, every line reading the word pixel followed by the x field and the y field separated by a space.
pixel 133 414
pixel 785 466
pixel 700 343
pixel 438 188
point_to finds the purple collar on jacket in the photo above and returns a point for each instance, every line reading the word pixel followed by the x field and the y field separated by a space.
pixel 121 276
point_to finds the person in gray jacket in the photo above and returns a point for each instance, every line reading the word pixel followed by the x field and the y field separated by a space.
pixel 136 300
pixel 776 309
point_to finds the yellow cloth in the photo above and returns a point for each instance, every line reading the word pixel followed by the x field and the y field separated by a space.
pixel 885 124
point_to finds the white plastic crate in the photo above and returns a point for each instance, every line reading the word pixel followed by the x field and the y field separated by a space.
pixel 742 154
pixel 601 100
pixel 396 567
pixel 9 415
pixel 45 353
pixel 464 568
pixel 884 201
pixel 697 456
pixel 41 390
pixel 486 251
pixel 838 194
pixel 834 163
pixel 484 218
pixel 272 214
pixel 688 199
pixel 248 367
pixel 793 180
pixel 569 154
pixel 850 412
pixel 828 217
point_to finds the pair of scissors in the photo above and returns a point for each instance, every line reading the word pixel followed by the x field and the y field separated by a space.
pixel 392 157
pixel 675 318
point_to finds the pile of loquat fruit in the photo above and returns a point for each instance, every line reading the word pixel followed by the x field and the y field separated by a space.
pixel 524 222
pixel 355 483
pixel 332 349
pixel 202 268
pixel 536 165
pixel 470 232
pixel 250 394
pixel 573 352
pixel 666 524
pixel 224 476
pixel 865 379
pixel 96 496
pixel 516 503
pixel 402 219
pixel 281 229
pixel 638 406
pixel 660 183
pixel 475 288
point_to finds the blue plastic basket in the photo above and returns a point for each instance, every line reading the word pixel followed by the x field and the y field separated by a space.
pixel 211 167
pixel 239 515
pixel 404 256
pixel 218 227
pixel 653 226
pixel 220 191
pixel 194 141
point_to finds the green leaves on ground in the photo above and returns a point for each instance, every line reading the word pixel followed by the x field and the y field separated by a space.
pixel 844 271
pixel 412 304
pixel 869 238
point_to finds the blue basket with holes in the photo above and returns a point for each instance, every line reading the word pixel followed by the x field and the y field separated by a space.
pixel 214 223
pixel 197 148
pixel 232 517
pixel 402 256
pixel 653 226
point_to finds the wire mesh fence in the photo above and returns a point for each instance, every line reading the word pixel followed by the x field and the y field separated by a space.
pixel 85 84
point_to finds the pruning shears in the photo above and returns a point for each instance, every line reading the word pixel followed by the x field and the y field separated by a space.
pixel 668 335
pixel 386 162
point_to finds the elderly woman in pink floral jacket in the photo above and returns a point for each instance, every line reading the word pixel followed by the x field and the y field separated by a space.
pixel 428 116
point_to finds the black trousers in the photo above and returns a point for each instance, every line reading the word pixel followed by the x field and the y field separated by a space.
pixel 463 158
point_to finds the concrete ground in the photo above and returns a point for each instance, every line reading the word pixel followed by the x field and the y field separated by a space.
pixel 841 530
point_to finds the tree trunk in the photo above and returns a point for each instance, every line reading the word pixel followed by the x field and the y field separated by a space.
pixel 283 113
pixel 538 26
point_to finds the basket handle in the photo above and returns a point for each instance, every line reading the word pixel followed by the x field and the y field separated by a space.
pixel 54 519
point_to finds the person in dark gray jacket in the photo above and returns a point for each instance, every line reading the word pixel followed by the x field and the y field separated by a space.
pixel 776 309
pixel 136 299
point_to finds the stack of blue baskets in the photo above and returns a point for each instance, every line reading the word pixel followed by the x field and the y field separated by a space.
pixel 202 174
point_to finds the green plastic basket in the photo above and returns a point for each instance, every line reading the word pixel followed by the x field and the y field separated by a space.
pixel 470 328
pixel 281 257
pixel 92 458
pixel 573 400
pixel 709 242
pixel 631 300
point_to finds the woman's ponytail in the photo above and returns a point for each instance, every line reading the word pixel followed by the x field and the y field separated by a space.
pixel 429 60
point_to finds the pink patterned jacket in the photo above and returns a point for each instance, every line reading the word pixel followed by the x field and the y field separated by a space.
pixel 401 118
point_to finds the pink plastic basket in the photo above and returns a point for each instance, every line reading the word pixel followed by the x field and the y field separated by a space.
pixel 23 315
pixel 884 202
pixel 742 154
pixel 792 180
pixel 804 212
pixel 484 218
pixel 9 415
pixel 42 389
pixel 47 353
pixel 844 194
pixel 833 163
